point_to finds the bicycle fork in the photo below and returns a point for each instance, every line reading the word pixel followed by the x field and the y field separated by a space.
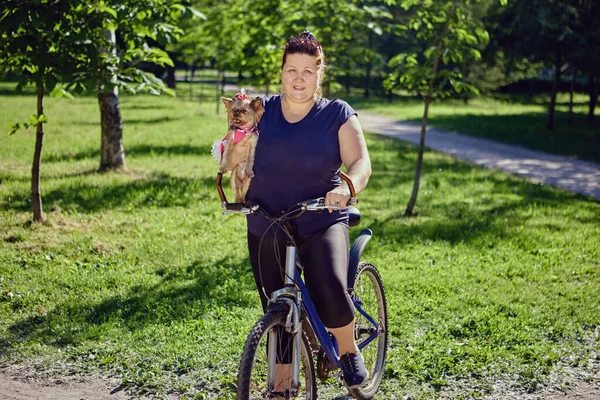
pixel 292 297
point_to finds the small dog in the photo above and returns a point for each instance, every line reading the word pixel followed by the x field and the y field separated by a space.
pixel 238 147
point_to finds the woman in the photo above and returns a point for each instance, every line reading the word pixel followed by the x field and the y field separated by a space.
pixel 303 141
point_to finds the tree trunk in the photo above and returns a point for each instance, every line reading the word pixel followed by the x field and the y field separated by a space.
pixel 552 106
pixel 367 80
pixel 201 81
pixel 570 118
pixel 218 91
pixel 36 198
pixel 368 67
pixel 415 192
pixel 112 153
pixel 593 98
pixel 347 79
pixel 171 77
pixel 191 80
pixel 267 86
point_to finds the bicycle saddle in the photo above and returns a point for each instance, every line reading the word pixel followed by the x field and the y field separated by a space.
pixel 353 216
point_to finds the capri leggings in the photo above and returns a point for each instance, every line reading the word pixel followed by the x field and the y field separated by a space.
pixel 324 258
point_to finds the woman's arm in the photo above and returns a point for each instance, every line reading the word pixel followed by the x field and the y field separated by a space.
pixel 355 157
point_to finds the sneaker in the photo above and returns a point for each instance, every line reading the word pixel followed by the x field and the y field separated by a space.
pixel 353 369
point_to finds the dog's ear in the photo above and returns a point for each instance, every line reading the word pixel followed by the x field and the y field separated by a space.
pixel 257 104
pixel 227 101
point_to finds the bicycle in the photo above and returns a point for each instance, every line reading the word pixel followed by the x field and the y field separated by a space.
pixel 291 310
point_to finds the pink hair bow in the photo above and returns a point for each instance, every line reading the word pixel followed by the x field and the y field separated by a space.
pixel 241 96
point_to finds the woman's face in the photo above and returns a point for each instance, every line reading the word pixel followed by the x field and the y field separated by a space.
pixel 300 77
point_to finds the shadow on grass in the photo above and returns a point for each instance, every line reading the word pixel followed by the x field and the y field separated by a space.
pixel 136 106
pixel 126 121
pixel 159 190
pixel 132 151
pixel 465 222
pixel 184 295
pixel 393 163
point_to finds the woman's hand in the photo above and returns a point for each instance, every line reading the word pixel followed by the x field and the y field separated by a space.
pixel 338 198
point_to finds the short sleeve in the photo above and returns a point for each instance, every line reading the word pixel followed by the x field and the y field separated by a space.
pixel 345 110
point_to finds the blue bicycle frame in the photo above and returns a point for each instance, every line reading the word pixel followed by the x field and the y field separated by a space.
pixel 330 346
pixel 295 295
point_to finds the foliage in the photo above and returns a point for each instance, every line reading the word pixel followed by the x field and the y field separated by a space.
pixel 542 27
pixel 139 24
pixel 34 43
pixel 267 30
pixel 54 42
pixel 451 33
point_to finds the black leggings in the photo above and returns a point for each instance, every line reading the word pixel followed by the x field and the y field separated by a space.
pixel 324 258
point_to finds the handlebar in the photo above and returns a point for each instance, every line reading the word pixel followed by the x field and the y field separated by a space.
pixel 309 205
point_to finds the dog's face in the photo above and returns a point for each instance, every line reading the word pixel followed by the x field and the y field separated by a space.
pixel 243 113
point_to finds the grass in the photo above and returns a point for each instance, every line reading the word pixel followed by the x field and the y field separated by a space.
pixel 513 119
pixel 137 275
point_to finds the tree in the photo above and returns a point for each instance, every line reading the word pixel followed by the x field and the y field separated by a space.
pixel 544 30
pixel 50 42
pixel 267 30
pixel 586 55
pixel 451 33
pixel 140 24
pixel 36 48
pixel 221 38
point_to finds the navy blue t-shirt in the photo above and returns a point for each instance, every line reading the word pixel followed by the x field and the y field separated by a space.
pixel 296 162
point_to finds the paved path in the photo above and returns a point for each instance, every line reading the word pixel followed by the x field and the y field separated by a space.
pixel 563 172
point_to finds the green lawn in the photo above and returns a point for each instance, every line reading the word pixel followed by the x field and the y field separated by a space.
pixel 513 119
pixel 137 274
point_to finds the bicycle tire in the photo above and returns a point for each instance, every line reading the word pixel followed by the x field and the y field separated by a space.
pixel 252 376
pixel 368 287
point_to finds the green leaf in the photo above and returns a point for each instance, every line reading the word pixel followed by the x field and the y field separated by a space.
pixel 33 120
pixel 476 54
pixel 60 92
pixel 14 129
pixel 196 13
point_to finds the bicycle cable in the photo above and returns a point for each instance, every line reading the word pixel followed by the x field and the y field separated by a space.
pixel 278 224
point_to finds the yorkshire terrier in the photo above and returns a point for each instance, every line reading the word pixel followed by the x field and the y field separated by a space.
pixel 236 151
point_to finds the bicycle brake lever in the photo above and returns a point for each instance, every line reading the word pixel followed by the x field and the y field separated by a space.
pixel 243 211
pixel 318 204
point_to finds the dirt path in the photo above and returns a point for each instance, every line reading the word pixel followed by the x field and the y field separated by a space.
pixel 88 388
pixel 24 387
pixel 563 172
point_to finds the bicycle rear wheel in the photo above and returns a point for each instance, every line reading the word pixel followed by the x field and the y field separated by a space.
pixel 252 376
pixel 368 291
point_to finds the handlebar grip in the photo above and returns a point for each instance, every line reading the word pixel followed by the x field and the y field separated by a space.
pixel 224 203
pixel 220 189
pixel 234 206
pixel 353 199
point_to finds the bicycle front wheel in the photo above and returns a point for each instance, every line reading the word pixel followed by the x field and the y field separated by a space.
pixel 368 292
pixel 252 377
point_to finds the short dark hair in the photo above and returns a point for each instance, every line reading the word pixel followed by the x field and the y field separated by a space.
pixel 304 43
